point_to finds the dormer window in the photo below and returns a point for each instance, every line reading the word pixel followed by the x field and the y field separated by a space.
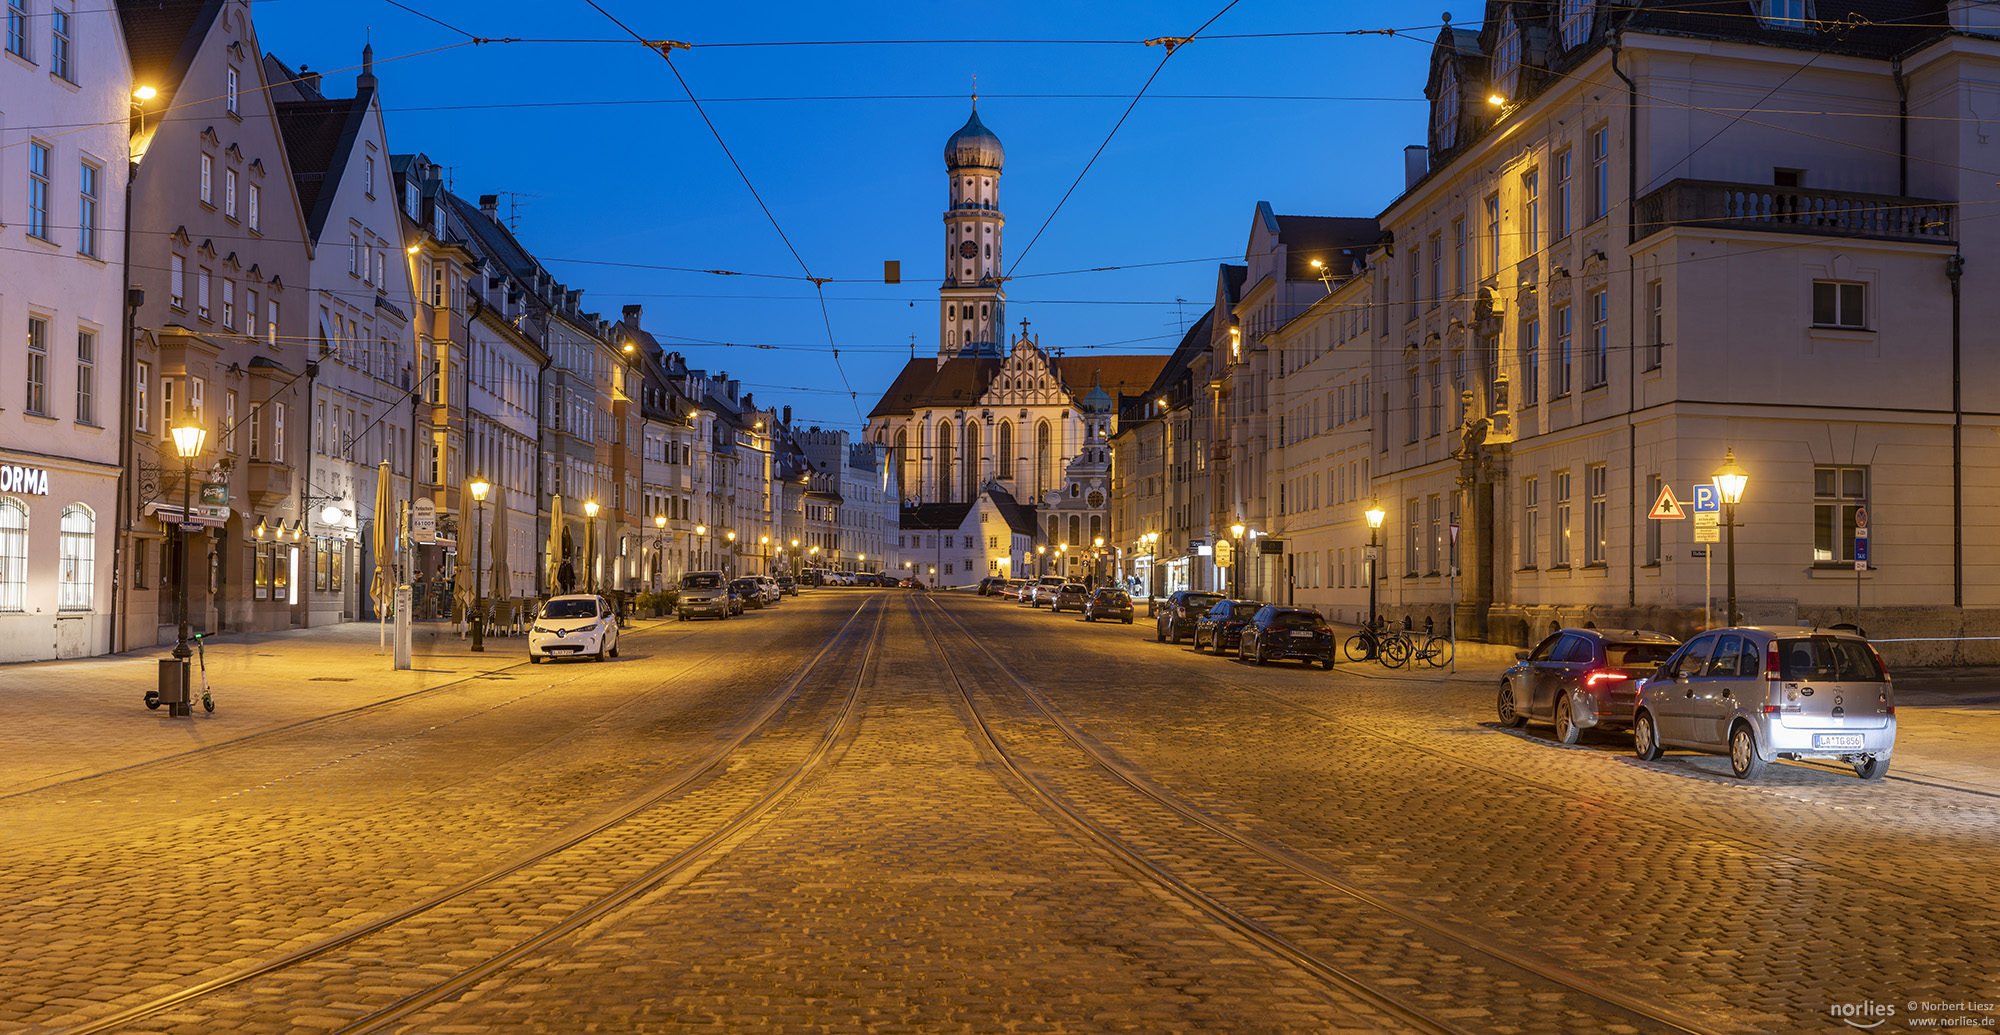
pixel 1575 22
pixel 1789 15
pixel 1445 110
pixel 1507 58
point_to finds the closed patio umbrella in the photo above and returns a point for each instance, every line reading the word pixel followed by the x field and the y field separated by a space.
pixel 552 559
pixel 502 578
pixel 383 588
pixel 462 589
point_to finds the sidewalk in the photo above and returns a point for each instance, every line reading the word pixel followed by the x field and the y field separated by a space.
pixel 72 718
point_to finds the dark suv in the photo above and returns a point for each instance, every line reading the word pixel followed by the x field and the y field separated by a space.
pixel 1579 678
pixel 1223 625
pixel 1287 632
pixel 1178 615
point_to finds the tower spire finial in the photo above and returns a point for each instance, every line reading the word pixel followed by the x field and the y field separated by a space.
pixel 975 91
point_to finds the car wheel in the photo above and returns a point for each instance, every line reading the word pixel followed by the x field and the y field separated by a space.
pixel 1128 621
pixel 1645 739
pixel 614 650
pixel 1743 758
pixel 1567 731
pixel 1509 708
pixel 1159 634
pixel 1258 655
pixel 599 656
pixel 533 660
pixel 1177 635
pixel 1872 768
pixel 1325 662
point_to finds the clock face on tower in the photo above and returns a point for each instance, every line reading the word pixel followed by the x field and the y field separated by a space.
pixel 968 249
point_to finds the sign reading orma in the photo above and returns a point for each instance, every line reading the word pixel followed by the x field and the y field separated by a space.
pixel 31 480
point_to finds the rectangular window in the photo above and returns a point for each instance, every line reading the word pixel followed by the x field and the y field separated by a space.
pixel 1565 353
pixel 251 215
pixel 177 282
pixel 86 209
pixel 230 432
pixel 1559 217
pixel 201 278
pixel 1656 338
pixel 86 377
pixel 1838 494
pixel 1416 284
pixel 1412 400
pixel 1531 362
pixel 1492 235
pixel 142 397
pixel 59 44
pixel 17 27
pixel 1437 398
pixel 207 179
pixel 228 303
pixel 1652 527
pixel 1600 173
pixel 1839 304
pixel 229 193
pixel 1413 537
pixel 1531 213
pixel 38 189
pixel 38 366
pixel 1594 517
pixel 1559 546
pixel 197 388
pixel 1437 270
pixel 1434 541
pixel 271 322
pixel 368 182
pixel 250 311
pixel 235 80
pixel 1600 339
pixel 1458 257
pixel 256 433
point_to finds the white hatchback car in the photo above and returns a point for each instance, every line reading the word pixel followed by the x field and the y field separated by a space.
pixel 573 626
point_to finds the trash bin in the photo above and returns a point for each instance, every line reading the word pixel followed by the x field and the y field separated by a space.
pixel 174 684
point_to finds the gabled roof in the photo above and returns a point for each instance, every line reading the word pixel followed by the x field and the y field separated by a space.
pixel 1115 374
pixel 162 38
pixel 944 517
pixel 1334 240
pixel 1020 517
pixel 962 380
pixel 319 138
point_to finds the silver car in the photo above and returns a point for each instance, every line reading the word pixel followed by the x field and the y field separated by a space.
pixel 1760 693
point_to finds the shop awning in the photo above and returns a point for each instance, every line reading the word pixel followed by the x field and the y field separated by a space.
pixel 204 514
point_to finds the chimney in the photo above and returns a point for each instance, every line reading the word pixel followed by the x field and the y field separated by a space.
pixel 1416 162
pixel 788 416
pixel 309 79
pixel 489 204
pixel 632 317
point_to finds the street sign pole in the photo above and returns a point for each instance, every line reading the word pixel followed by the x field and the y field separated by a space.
pixel 1707 590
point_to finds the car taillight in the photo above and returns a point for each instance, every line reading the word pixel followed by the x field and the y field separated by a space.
pixel 1603 675
pixel 1772 709
pixel 1878 661
pixel 1771 673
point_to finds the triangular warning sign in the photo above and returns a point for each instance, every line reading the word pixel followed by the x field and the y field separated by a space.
pixel 1667 508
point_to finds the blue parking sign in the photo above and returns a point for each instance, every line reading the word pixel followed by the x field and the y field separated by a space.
pixel 1707 499
pixel 1861 550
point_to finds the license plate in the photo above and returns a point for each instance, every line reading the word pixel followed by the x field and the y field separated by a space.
pixel 1302 636
pixel 1836 740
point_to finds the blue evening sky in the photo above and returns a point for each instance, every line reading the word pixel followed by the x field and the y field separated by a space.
pixel 594 146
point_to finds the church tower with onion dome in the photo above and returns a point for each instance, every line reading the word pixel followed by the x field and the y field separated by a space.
pixel 972 317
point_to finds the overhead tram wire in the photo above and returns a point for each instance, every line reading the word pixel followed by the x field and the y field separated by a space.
pixel 1171 44
pixel 665 49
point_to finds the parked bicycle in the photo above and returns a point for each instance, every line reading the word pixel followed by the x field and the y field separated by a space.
pixel 1398 647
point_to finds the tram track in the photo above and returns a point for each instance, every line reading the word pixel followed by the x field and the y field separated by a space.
pixel 1276 880
pixel 360 978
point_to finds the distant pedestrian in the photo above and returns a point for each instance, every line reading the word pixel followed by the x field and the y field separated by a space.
pixel 566 577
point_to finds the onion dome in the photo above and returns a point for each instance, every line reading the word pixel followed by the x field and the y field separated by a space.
pixel 974 146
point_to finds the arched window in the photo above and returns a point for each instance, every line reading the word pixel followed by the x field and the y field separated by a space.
pixel 1075 530
pixel 1507 57
pixel 1045 461
pixel 1575 27
pixel 969 459
pixel 13 555
pixel 941 463
pixel 1445 110
pixel 1004 455
pixel 77 552
pixel 905 474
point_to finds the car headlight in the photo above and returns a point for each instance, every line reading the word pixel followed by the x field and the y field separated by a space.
pixel 541 629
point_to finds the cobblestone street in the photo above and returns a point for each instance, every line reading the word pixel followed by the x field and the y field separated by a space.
pixel 881 811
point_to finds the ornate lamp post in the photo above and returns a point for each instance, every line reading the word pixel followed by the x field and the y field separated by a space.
pixel 1097 561
pixel 1152 565
pixel 731 536
pixel 1375 514
pixel 1236 558
pixel 189 444
pixel 590 555
pixel 659 549
pixel 1041 561
pixel 702 531
pixel 480 486
pixel 1729 481
pixel 766 541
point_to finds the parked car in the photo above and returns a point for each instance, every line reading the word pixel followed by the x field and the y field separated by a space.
pixel 1108 603
pixel 788 585
pixel 911 583
pixel 1069 595
pixel 574 625
pixel 748 591
pixel 1223 625
pixel 1761 693
pixel 1177 616
pixel 1276 633
pixel 1581 678
pixel 1042 591
pixel 987 584
pixel 769 587
pixel 706 593
pixel 1011 589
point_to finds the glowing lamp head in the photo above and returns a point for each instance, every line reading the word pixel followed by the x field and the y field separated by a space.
pixel 331 514
pixel 659 521
pixel 1236 531
pixel 701 530
pixel 1496 100
pixel 145 93
pixel 1375 514
pixel 188 439
pixel 480 487
pixel 1731 479
pixel 590 508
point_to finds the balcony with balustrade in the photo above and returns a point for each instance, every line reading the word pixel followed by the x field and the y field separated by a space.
pixel 1715 205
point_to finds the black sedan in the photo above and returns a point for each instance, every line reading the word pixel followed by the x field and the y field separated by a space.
pixel 749 592
pixel 1287 632
pixel 1222 626
pixel 1176 619
pixel 1108 604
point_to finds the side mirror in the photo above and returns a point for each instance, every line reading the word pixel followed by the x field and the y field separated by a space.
pixel 1520 655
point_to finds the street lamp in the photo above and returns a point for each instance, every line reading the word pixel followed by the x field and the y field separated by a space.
pixel 659 549
pixel 479 488
pixel 1097 560
pixel 1152 564
pixel 590 555
pixel 1729 481
pixel 1041 561
pixel 187 442
pixel 731 536
pixel 766 540
pixel 1375 514
pixel 1236 558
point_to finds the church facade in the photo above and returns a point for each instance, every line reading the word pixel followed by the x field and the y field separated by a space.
pixel 988 414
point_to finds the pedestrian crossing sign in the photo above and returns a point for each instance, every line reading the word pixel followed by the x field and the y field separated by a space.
pixel 1667 508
